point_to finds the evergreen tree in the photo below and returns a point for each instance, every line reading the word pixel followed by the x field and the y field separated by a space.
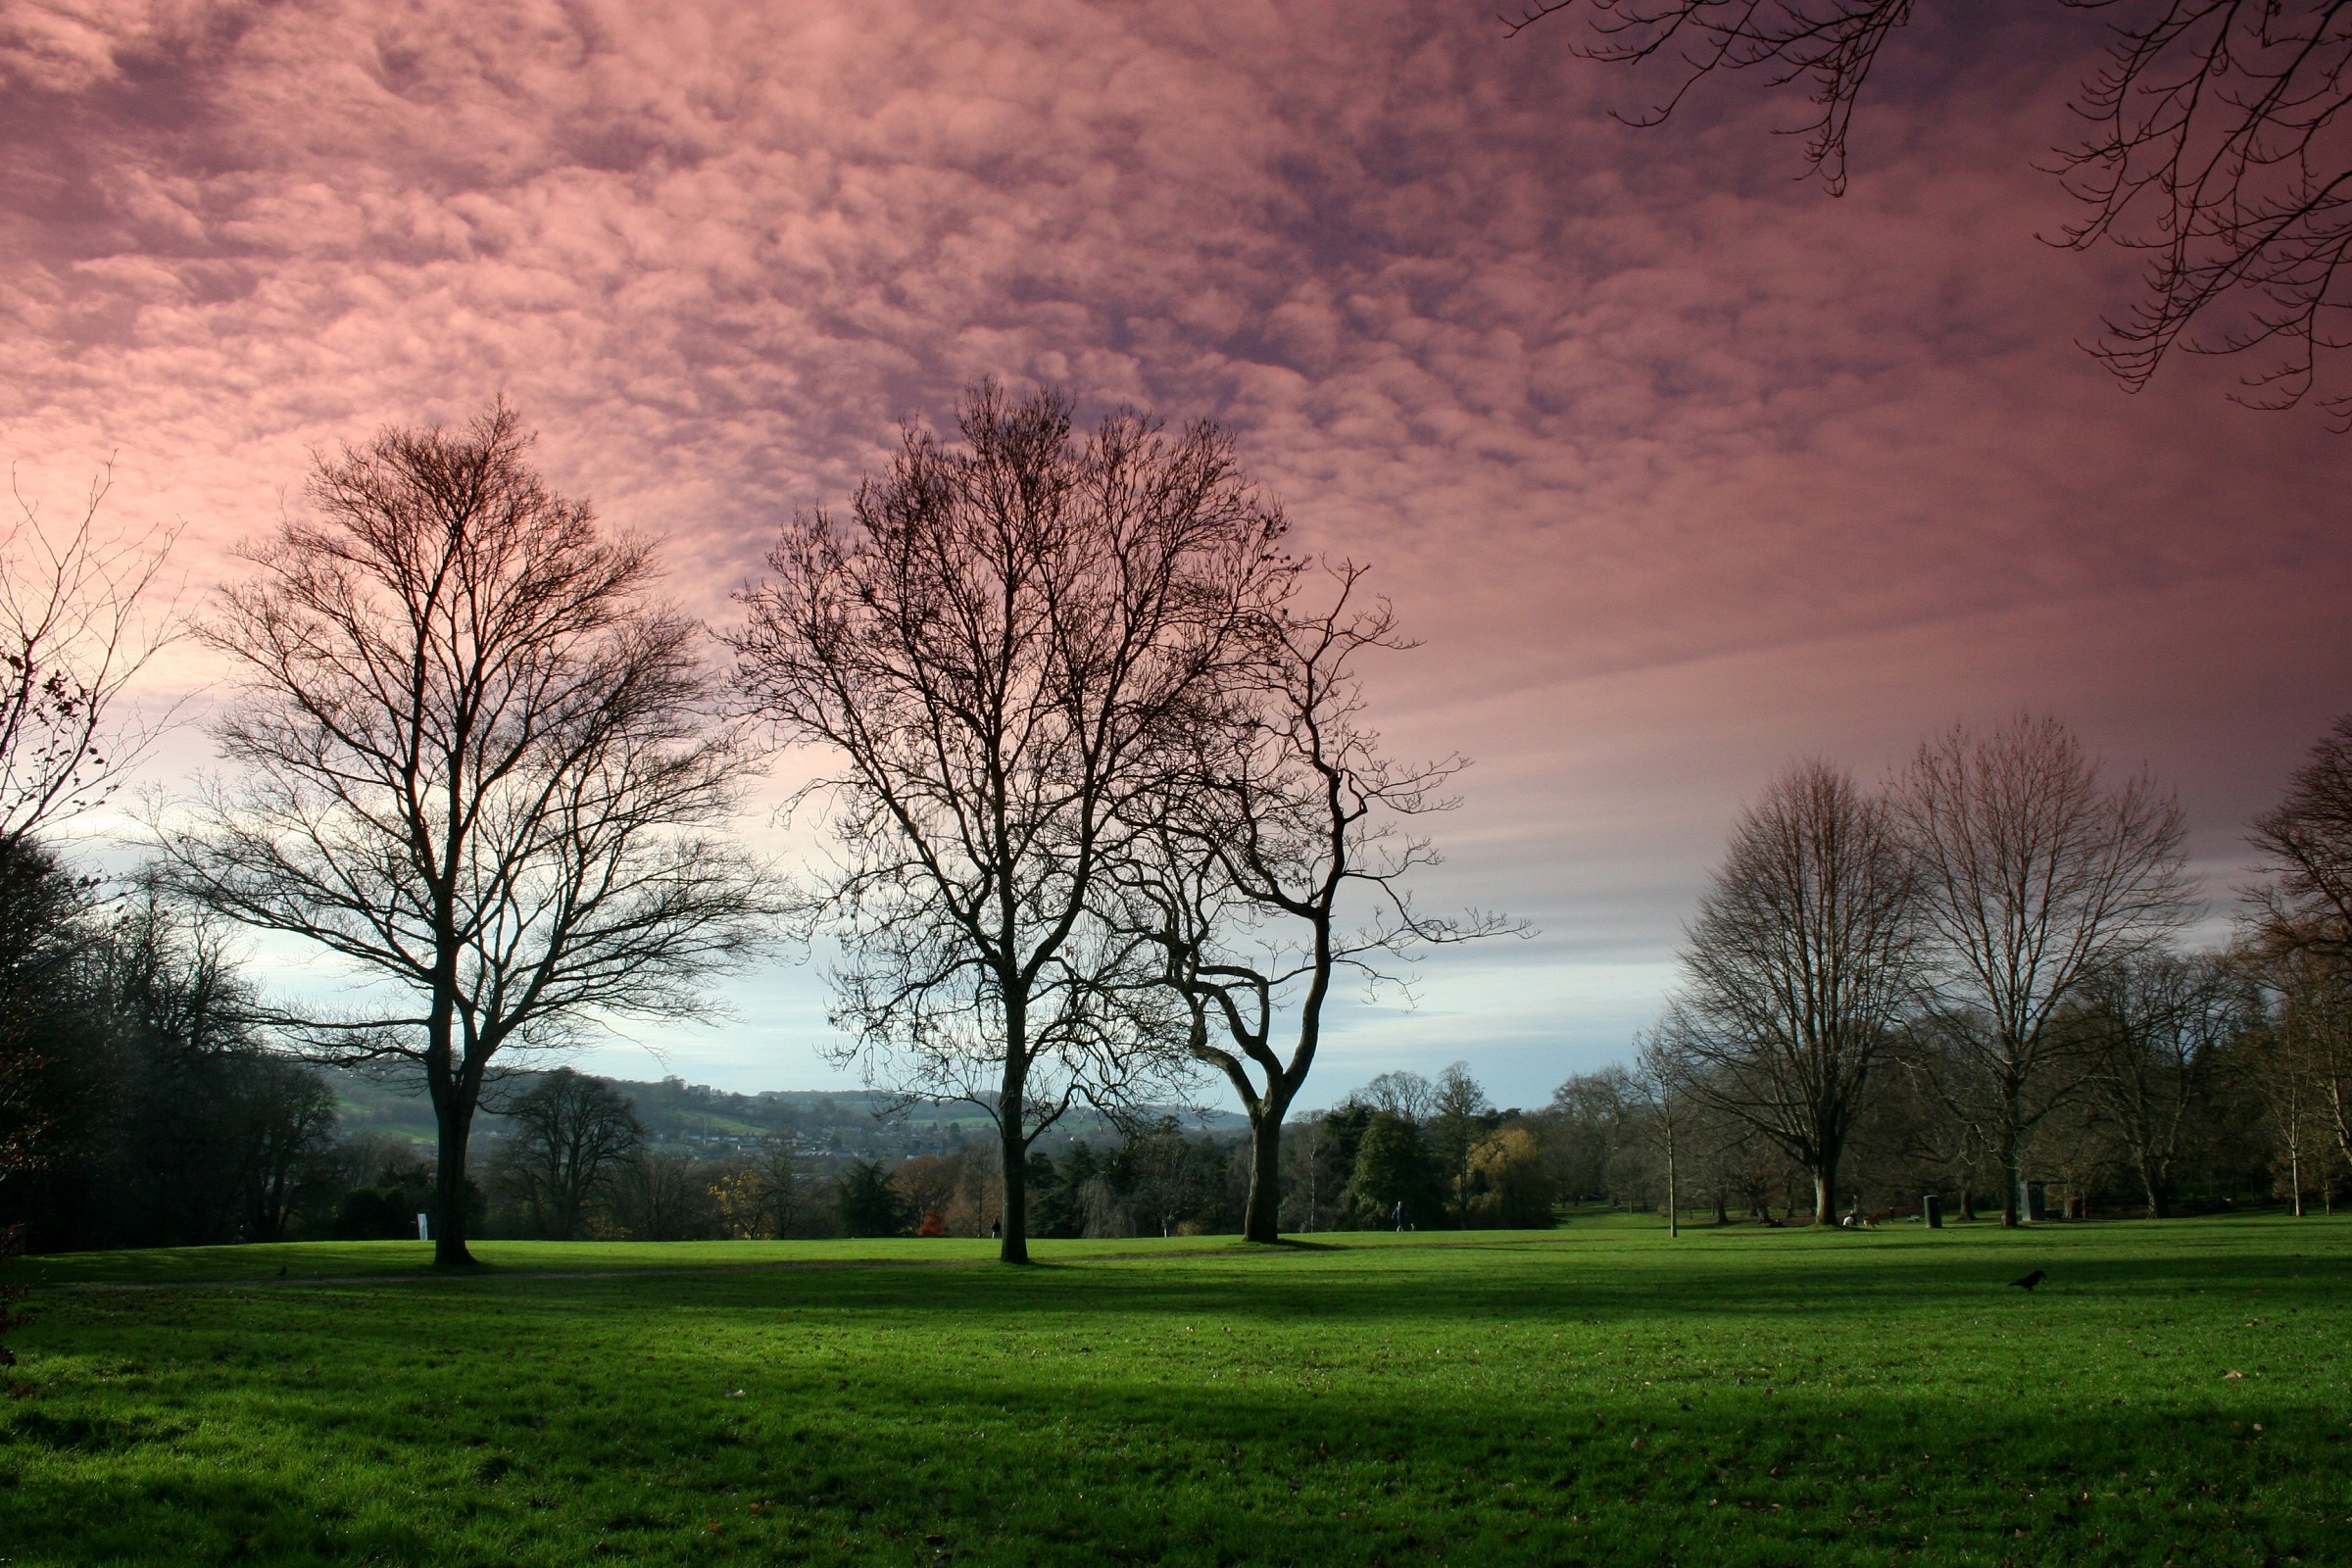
pixel 1396 1182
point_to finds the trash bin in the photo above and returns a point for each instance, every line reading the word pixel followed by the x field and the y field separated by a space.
pixel 1930 1208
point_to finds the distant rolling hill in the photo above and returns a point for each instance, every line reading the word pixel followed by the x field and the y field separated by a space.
pixel 697 1118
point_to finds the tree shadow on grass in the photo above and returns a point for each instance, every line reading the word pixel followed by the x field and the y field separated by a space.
pixel 856 1456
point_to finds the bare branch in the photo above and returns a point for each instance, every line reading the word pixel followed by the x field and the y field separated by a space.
pixel 1829 45
pixel 80 621
pixel 2221 147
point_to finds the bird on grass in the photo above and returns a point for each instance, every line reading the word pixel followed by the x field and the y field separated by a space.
pixel 2029 1281
pixel 281 1271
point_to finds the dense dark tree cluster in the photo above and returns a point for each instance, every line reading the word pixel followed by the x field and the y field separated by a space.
pixel 1403 1154
pixel 1406 1154
pixel 135 1069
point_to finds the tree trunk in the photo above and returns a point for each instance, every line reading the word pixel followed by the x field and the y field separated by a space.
pixel 1011 1112
pixel 1824 1194
pixel 2013 1161
pixel 1673 1207
pixel 454 1092
pixel 1014 1246
pixel 454 1117
pixel 1261 1220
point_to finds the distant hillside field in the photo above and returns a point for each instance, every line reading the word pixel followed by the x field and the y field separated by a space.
pixel 698 1119
pixel 2176 1393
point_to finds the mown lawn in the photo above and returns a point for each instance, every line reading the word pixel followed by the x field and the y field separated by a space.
pixel 1599 1395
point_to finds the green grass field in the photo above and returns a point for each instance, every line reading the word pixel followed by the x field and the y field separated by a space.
pixel 1597 1395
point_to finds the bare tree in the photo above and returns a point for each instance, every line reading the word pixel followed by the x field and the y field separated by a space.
pixel 2217 147
pixel 2300 935
pixel 80 620
pixel 1660 1067
pixel 570 1136
pixel 1309 1145
pixel 782 1193
pixel 1455 1125
pixel 1947 1118
pixel 2301 1058
pixel 1589 1119
pixel 1280 855
pixel 662 1195
pixel 2159 1027
pixel 2306 847
pixel 1797 967
pixel 1000 649
pixel 1405 1094
pixel 2035 877
pixel 478 764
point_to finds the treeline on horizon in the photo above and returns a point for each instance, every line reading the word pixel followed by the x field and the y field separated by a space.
pixel 1106 820
pixel 1972 982
pixel 570 1159
pixel 204 1137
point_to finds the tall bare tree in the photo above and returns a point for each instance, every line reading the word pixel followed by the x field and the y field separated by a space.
pixel 569 1136
pixel 477 763
pixel 2305 843
pixel 998 650
pixel 1661 1067
pixel 2034 876
pixel 2159 1028
pixel 2301 1060
pixel 1797 967
pixel 1280 856
pixel 2218 149
pixel 79 620
pixel 2301 921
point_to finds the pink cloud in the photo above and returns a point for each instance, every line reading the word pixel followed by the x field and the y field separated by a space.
pixel 1680 467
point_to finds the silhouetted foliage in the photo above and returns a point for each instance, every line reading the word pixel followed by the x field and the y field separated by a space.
pixel 563 1141
pixel 1396 1183
pixel 869 1204
pixel 130 1062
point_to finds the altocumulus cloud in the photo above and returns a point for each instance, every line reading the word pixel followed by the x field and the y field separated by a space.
pixel 1680 467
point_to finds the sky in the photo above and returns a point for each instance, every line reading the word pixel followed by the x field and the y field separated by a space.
pixel 1678 468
